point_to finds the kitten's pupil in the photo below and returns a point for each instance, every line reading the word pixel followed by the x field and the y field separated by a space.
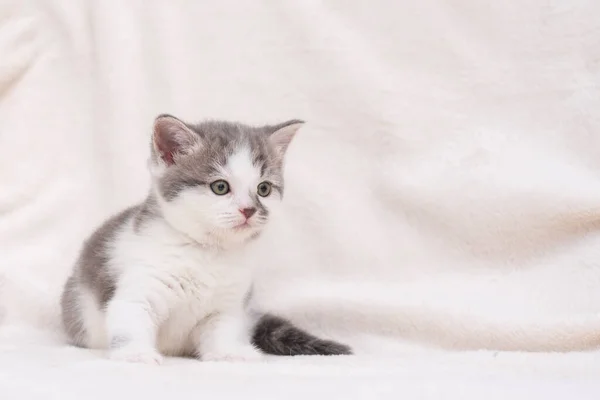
pixel 264 189
pixel 220 187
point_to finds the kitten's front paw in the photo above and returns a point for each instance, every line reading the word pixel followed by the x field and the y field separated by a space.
pixel 239 354
pixel 136 355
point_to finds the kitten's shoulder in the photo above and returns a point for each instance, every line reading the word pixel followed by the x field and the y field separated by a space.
pixel 137 215
pixel 95 255
pixel 109 229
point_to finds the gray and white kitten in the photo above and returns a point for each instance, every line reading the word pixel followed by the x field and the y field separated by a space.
pixel 170 276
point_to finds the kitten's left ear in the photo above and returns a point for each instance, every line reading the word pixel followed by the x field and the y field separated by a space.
pixel 281 135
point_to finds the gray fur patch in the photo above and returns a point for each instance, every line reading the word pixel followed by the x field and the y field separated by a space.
pixel 71 316
pixel 262 210
pixel 93 260
pixel 145 212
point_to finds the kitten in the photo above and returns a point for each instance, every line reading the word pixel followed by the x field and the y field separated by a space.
pixel 169 276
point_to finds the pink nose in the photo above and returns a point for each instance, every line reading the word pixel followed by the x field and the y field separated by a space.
pixel 248 212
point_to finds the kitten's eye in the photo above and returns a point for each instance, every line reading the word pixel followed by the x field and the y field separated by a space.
pixel 220 187
pixel 264 189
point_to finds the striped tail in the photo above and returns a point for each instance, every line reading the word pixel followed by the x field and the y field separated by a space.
pixel 278 336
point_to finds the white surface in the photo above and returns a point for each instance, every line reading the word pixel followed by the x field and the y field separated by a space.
pixel 444 193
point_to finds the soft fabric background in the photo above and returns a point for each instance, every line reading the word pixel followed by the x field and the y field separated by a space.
pixel 442 204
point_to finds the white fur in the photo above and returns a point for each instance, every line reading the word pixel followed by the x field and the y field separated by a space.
pixel 182 280
pixel 175 284
pixel 94 319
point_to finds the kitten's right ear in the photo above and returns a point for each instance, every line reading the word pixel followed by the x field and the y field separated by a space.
pixel 172 137
pixel 281 135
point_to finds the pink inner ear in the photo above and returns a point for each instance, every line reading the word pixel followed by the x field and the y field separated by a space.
pixel 171 137
pixel 168 158
pixel 165 149
pixel 282 137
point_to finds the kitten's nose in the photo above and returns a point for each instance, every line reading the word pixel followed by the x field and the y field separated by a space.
pixel 248 212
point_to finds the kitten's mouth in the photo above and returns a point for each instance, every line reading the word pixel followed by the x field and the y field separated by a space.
pixel 242 226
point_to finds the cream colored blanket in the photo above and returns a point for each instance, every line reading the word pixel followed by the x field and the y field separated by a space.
pixel 443 196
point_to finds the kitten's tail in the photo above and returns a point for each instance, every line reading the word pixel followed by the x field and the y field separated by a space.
pixel 278 336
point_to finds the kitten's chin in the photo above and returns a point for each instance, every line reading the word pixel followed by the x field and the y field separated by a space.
pixel 242 227
pixel 245 232
pixel 218 237
pixel 232 236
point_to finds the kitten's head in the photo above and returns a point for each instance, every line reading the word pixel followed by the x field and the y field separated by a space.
pixel 219 181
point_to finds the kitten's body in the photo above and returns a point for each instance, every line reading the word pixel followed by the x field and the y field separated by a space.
pixel 170 276
pixel 164 268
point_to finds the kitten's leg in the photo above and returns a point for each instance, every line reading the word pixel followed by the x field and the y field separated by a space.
pixel 132 328
pixel 225 337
